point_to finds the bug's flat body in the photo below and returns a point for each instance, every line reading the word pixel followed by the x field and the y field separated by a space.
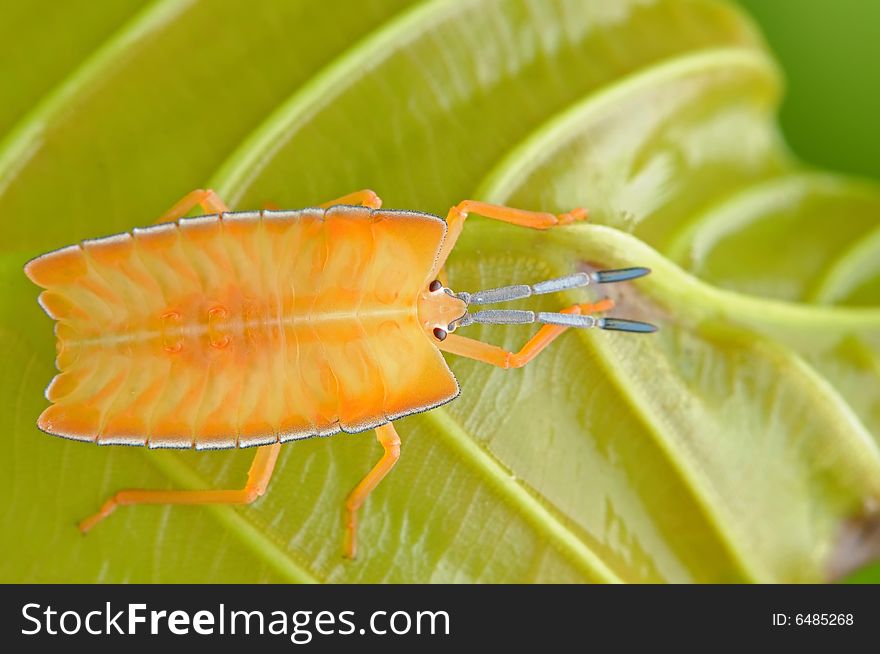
pixel 245 330
pixel 250 329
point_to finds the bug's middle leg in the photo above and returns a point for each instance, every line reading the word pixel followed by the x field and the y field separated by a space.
pixel 258 479
pixel 364 198
pixel 389 440
pixel 207 199
pixel 488 353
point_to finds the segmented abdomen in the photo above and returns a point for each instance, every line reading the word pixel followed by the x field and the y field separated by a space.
pixel 215 333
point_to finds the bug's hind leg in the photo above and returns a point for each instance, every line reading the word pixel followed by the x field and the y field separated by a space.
pixel 258 479
pixel 206 199
pixel 389 440
pixel 488 353
pixel 456 217
pixel 364 198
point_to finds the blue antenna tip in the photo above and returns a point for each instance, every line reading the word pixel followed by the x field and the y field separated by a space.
pixel 621 275
pixel 621 325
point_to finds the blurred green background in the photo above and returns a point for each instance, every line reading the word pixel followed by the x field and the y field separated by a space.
pixel 830 52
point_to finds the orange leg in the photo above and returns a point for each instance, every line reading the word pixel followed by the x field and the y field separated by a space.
pixel 258 479
pixel 534 219
pixel 390 442
pixel 364 198
pixel 487 353
pixel 211 202
pixel 206 199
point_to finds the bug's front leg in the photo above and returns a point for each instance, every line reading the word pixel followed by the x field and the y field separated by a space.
pixel 488 353
pixel 206 199
pixel 456 217
pixel 389 440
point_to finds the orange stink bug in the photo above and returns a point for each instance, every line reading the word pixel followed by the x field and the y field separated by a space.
pixel 251 329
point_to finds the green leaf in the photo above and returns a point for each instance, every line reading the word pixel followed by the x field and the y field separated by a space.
pixel 740 443
pixel 36 51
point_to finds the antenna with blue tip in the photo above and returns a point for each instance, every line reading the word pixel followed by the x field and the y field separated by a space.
pixel 521 291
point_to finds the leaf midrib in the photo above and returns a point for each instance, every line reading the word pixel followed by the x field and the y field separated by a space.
pixel 517 494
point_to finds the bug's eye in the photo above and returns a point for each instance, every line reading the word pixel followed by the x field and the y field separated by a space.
pixel 439 334
pixel 435 286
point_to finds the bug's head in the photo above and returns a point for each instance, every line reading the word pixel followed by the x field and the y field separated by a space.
pixel 442 311
pixel 439 310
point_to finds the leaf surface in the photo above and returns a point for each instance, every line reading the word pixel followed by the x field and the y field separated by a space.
pixel 740 443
